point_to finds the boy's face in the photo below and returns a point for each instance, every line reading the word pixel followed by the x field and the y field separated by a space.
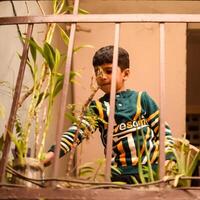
pixel 104 77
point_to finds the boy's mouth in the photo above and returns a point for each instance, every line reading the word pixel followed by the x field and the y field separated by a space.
pixel 105 84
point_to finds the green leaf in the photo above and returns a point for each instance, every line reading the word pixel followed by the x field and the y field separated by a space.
pixel 134 180
pixel 85 172
pixel 57 59
pixel 193 165
pixel 115 170
pixel 85 168
pixel 59 6
pixel 58 84
pixel 54 5
pixel 18 127
pixel 73 75
pixel 35 45
pixel 2 111
pixel 19 144
pixel 1 142
pixel 71 117
pixel 119 182
pixel 49 55
pixel 31 69
pixel 29 64
pixel 149 166
pixel 101 174
pixel 83 46
pixel 33 51
pixel 140 170
pixel 100 161
pixel 64 35
pixel 80 11
pixel 40 98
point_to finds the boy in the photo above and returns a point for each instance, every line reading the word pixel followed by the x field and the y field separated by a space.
pixel 136 118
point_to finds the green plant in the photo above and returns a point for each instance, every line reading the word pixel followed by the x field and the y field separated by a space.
pixel 2 111
pixel 146 172
pixel 47 82
pixel 187 157
pixel 93 171
pixel 76 115
pixel 186 160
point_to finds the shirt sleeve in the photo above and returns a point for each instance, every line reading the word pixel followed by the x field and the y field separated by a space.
pixel 152 115
pixel 82 128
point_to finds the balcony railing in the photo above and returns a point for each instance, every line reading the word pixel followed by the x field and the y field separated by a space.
pixel 73 19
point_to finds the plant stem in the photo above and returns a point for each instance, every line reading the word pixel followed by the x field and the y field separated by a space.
pixel 18 29
pixel 150 171
pixel 75 143
pixel 38 108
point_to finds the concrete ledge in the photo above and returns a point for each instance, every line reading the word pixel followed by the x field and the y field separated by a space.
pixel 100 194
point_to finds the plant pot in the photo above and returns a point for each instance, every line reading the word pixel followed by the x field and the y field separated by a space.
pixel 31 168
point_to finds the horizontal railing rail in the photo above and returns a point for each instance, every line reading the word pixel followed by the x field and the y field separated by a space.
pixel 101 18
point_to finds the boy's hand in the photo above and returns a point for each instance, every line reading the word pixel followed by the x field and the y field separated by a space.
pixel 48 158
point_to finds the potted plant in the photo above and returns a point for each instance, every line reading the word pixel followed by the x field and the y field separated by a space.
pixel 44 64
pixel 187 158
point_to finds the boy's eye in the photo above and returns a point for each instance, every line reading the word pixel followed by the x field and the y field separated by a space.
pixel 108 71
pixel 100 72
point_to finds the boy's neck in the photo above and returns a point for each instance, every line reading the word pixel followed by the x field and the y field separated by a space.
pixel 118 91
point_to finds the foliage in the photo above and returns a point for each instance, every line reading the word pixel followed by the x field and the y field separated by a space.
pixel 87 113
pixel 2 116
pixel 75 112
pixel 93 171
pixel 186 160
pixel 47 82
pixel 2 111
pixel 187 157
pixel 146 173
pixel 1 144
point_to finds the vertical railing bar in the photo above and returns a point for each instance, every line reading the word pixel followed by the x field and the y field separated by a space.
pixel 162 103
pixel 59 128
pixel 112 104
pixel 76 6
pixel 13 111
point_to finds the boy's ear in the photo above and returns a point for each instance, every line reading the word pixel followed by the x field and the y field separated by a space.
pixel 126 73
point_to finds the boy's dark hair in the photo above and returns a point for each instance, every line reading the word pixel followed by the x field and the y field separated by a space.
pixel 105 56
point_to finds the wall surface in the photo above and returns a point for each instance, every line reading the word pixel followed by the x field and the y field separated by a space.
pixel 10 47
pixel 146 6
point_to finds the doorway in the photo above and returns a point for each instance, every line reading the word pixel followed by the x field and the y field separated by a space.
pixel 193 93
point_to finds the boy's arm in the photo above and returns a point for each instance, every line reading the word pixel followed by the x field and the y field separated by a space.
pixel 153 118
pixel 68 137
